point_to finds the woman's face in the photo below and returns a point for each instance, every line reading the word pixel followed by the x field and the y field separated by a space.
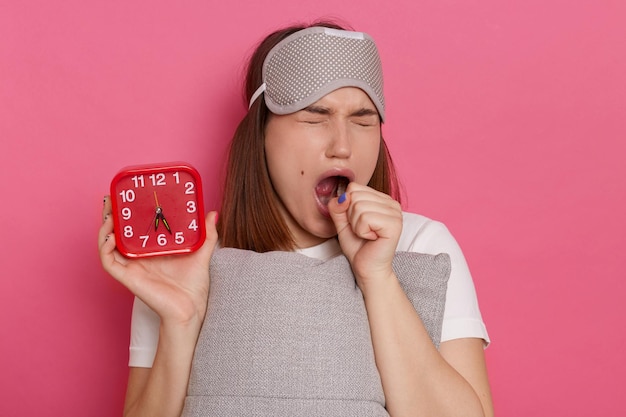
pixel 312 155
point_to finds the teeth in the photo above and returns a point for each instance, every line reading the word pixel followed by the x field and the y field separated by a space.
pixel 342 184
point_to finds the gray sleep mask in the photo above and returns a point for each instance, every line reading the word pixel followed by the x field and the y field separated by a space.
pixel 313 62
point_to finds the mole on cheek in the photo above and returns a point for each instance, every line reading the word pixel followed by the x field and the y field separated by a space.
pixel 301 172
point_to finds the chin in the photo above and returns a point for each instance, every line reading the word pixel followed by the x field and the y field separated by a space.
pixel 320 230
pixel 326 230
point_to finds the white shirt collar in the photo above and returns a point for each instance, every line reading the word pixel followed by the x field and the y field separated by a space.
pixel 323 251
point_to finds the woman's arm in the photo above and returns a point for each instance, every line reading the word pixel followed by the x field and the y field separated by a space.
pixel 417 378
pixel 137 380
pixel 176 288
pixel 467 357
pixel 161 390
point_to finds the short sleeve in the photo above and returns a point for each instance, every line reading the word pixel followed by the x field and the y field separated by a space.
pixel 144 335
pixel 462 317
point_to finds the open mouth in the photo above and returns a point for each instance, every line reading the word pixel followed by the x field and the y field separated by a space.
pixel 331 187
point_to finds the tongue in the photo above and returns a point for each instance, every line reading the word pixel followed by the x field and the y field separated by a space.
pixel 330 187
pixel 326 186
pixel 325 190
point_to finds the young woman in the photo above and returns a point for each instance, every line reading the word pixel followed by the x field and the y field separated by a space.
pixel 309 171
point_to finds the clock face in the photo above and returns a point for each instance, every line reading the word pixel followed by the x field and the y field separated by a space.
pixel 158 210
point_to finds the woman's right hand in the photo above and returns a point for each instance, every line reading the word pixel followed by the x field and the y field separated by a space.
pixel 176 287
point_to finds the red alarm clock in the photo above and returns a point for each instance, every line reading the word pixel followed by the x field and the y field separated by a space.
pixel 158 209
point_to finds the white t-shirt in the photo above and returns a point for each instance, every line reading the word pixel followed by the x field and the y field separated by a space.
pixel 461 317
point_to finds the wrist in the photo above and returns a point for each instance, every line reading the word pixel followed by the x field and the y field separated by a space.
pixel 182 327
pixel 183 312
pixel 378 284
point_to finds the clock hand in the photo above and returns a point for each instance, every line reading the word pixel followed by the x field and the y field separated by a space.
pixel 162 217
pixel 159 216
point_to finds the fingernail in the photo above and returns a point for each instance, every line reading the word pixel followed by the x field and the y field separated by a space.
pixel 342 198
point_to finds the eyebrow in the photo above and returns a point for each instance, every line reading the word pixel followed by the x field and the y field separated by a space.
pixel 325 111
pixel 365 112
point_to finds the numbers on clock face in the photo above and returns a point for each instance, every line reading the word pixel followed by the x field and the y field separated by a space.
pixel 158 211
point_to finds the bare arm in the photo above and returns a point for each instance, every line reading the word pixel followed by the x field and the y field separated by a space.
pixel 176 288
pixel 467 357
pixel 137 380
pixel 418 380
pixel 161 390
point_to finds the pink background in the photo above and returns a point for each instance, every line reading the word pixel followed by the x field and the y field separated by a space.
pixel 506 119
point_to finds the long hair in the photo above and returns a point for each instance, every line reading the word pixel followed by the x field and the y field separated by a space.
pixel 249 216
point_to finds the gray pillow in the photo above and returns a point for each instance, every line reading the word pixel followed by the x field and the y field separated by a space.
pixel 288 335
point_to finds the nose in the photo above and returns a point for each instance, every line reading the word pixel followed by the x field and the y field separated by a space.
pixel 340 143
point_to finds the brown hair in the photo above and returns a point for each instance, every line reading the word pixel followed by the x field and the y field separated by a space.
pixel 249 216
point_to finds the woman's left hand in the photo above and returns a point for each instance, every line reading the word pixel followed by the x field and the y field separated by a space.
pixel 369 224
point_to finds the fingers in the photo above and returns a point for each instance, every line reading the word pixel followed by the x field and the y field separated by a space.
pixel 373 219
pixel 211 226
pixel 338 208
pixel 107 223
pixel 111 260
pixel 211 236
pixel 369 213
pixel 106 207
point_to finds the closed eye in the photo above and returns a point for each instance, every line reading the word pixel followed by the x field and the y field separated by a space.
pixel 365 117
pixel 366 121
pixel 314 115
pixel 312 121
